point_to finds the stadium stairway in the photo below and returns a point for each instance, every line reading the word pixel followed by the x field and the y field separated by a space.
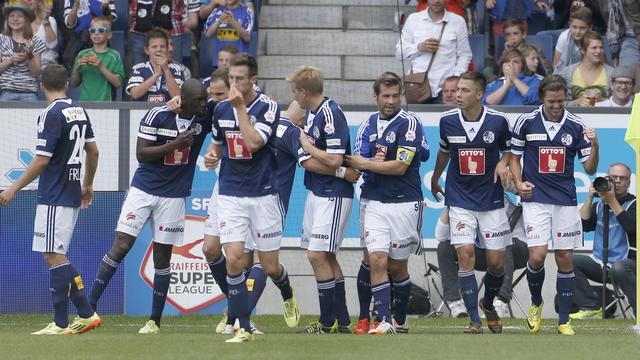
pixel 351 41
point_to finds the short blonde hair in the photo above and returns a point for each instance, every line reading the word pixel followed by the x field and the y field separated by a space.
pixel 309 78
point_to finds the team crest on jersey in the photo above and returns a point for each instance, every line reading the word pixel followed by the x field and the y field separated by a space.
pixel 165 9
pixel 391 137
pixel 316 132
pixel 566 139
pixel 551 159
pixel 472 161
pixel 142 13
pixel 381 152
pixel 236 147
pixel 270 116
pixel 197 129
pixel 177 156
pixel 252 119
pixel 329 129
pixel 410 135
pixel 488 137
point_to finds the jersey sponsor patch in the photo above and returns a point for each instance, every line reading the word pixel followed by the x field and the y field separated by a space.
pixel 227 123
pixel 41 142
pixel 329 129
pixel 551 159
pixel 457 139
pixel 373 137
pixel 167 132
pixel 536 137
pixel 517 142
pixel 177 157
pixel 269 116
pixel 333 142
pixel 74 114
pixel 381 152
pixel 585 152
pixel 280 130
pixel 236 146
pixel 155 98
pixel 148 130
pixel 264 128
pixel 472 161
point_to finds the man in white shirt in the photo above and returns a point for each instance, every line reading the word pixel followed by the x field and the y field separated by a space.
pixel 623 80
pixel 420 39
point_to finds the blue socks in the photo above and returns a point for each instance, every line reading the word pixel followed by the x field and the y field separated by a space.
pixel 535 278
pixel 381 298
pixel 469 290
pixel 77 295
pixel 239 300
pixel 256 281
pixel 401 291
pixel 492 284
pixel 364 290
pixel 342 313
pixel 160 289
pixel 326 295
pixel 59 282
pixel 106 270
pixel 218 269
pixel 565 286
pixel 284 285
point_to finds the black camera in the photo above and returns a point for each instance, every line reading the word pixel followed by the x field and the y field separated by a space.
pixel 602 183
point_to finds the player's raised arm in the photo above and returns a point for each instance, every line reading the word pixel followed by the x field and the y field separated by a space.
pixel 591 164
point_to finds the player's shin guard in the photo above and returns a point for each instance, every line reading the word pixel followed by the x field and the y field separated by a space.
pixel 282 282
pixel 78 296
pixel 401 290
pixel 326 295
pixel 381 297
pixel 59 282
pixel 342 313
pixel 565 286
pixel 218 269
pixel 239 300
pixel 535 278
pixel 492 284
pixel 364 290
pixel 160 289
pixel 256 281
pixel 106 270
pixel 469 290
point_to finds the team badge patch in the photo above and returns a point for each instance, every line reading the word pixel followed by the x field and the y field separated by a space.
pixel 329 129
pixel 269 116
pixel 165 9
pixel 410 135
pixel 551 160
pixel 488 137
pixel 566 139
pixel 391 137
pixel 236 147
pixel 197 129
pixel 316 132
pixel 252 119
pixel 472 161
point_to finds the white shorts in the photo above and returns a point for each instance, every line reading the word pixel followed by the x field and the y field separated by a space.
pixel 363 209
pixel 166 216
pixel 395 228
pixel 254 221
pixel 325 222
pixel 211 224
pixel 53 228
pixel 490 228
pixel 544 222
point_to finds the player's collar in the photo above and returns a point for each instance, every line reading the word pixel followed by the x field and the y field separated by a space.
pixel 393 117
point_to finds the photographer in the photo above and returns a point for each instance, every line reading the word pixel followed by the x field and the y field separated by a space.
pixel 622 243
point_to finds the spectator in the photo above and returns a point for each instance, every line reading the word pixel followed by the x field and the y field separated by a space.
pixel 185 70
pixel 207 7
pixel 532 60
pixel 514 38
pixel 224 59
pixel 622 82
pixel 77 16
pixel 231 25
pixel 177 16
pixel 515 87
pixel 622 243
pixel 588 81
pixel 46 28
pixel 569 42
pixel 156 80
pixel 502 10
pixel 99 70
pixel 420 40
pixel 563 9
pixel 20 51
pixel 624 31
pixel 449 88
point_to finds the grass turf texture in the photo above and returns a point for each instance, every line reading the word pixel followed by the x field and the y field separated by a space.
pixel 194 337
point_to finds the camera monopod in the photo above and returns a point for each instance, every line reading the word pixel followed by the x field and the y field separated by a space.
pixel 605 256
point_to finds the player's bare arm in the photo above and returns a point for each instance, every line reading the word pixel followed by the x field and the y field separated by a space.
pixel 591 165
pixel 441 162
pixel 347 173
pixel 252 137
pixel 172 84
pixel 212 156
pixel 502 170
pixel 333 161
pixel 146 151
pixel 390 167
pixel 34 170
pixel 91 165
pixel 525 189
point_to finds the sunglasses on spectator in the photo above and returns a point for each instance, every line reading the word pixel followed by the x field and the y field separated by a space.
pixel 99 30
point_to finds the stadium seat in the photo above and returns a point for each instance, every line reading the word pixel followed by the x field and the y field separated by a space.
pixel 477 48
pixel 206 56
pixel 543 42
pixel 537 22
pixel 122 9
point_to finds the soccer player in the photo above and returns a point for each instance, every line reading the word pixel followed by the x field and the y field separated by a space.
pixel 476 141
pixel 393 215
pixel 549 138
pixel 248 208
pixel 167 150
pixel 64 130
pixel 329 201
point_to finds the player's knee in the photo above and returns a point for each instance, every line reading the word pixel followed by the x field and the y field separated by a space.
pixel 536 260
pixel 272 270
pixel 378 261
pixel 317 258
pixel 564 259
pixel 466 260
pixel 398 269
pixel 121 247
pixel 211 250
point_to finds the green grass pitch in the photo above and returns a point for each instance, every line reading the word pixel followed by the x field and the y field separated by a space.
pixel 193 337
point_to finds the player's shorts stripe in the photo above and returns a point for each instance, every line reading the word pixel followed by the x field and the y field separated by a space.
pixel 50 228
pixel 419 228
pixel 335 224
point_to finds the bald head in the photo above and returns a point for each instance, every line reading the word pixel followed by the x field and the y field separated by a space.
pixel 192 88
pixel 193 97
pixel 294 113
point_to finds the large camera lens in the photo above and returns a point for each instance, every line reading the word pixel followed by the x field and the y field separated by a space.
pixel 602 184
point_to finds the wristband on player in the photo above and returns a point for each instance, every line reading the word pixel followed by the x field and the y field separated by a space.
pixel 340 172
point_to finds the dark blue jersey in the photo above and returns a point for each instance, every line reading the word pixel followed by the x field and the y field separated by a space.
pixel 289 152
pixel 63 129
pixel 549 149
pixel 170 176
pixel 399 138
pixel 158 92
pixel 328 130
pixel 243 173
pixel 474 149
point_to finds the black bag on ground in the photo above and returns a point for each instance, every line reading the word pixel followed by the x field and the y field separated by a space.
pixel 418 301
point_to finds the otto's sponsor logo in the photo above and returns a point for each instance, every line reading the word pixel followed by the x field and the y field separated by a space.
pixel 175 229
pixel 551 159
pixel 270 235
pixel 569 234
pixel 496 234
